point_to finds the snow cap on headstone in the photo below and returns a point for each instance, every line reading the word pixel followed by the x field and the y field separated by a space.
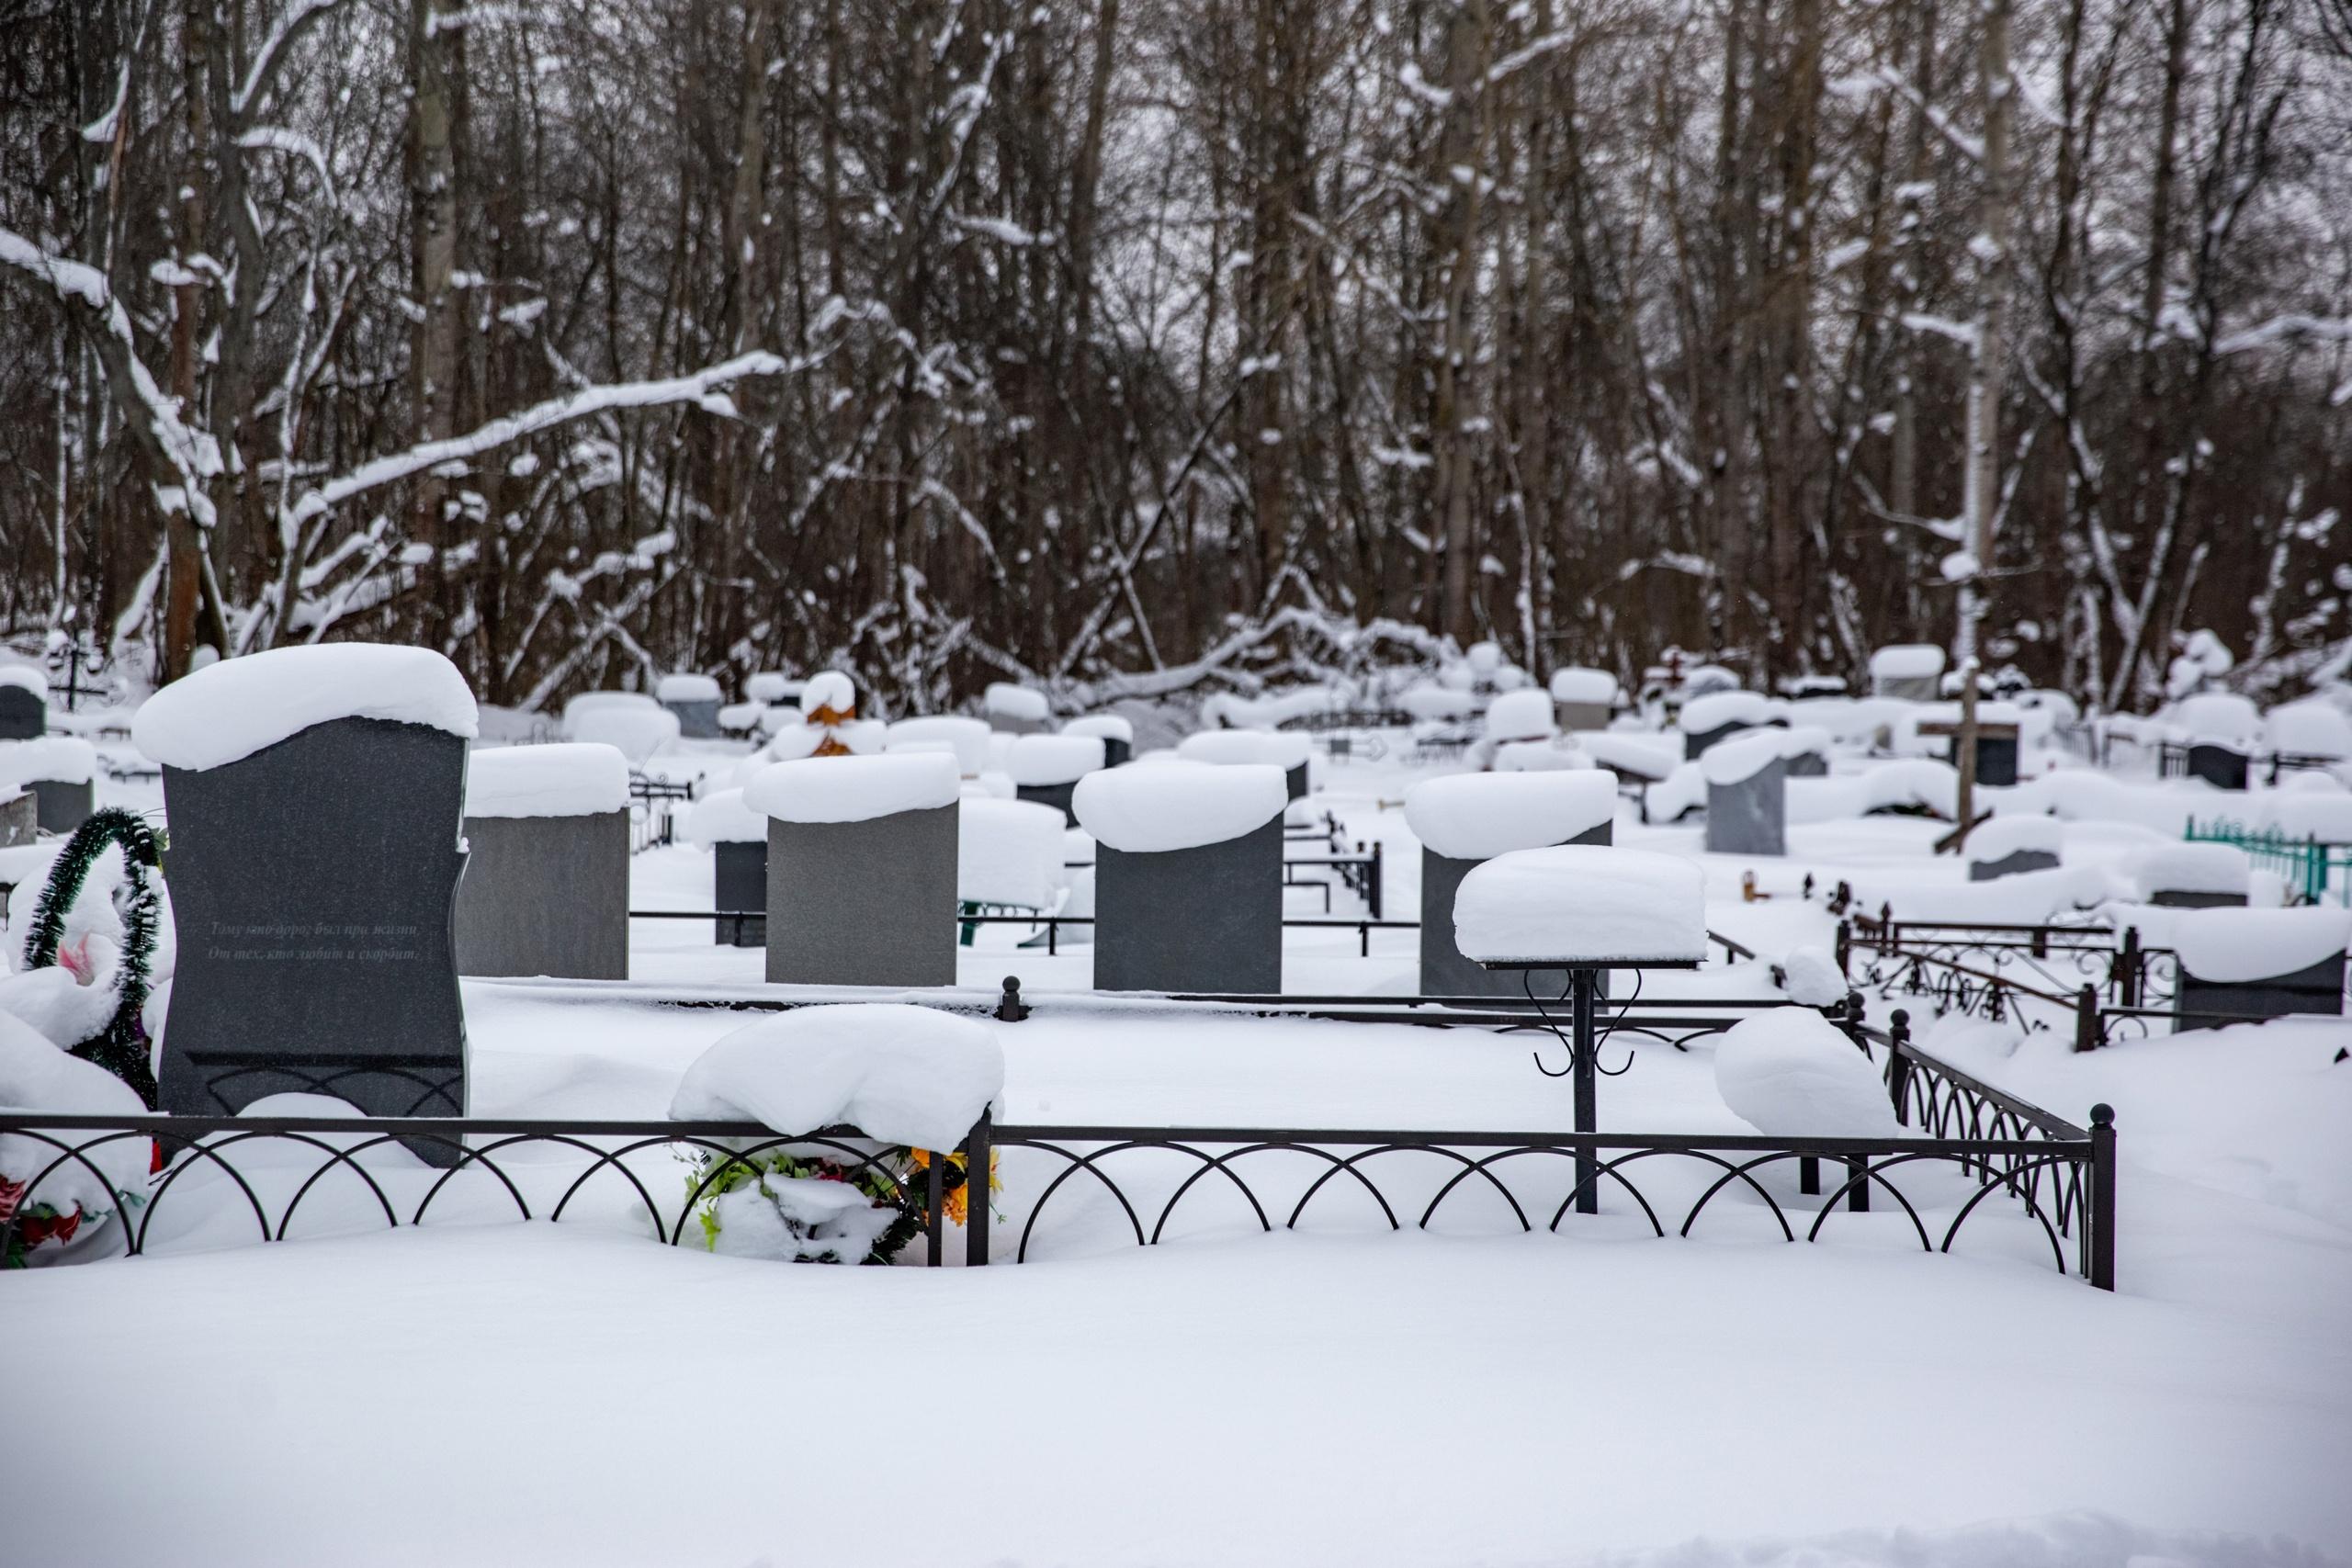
pixel 571 779
pixel 828 692
pixel 898 1073
pixel 228 711
pixel 1178 805
pixel 1480 816
pixel 854 789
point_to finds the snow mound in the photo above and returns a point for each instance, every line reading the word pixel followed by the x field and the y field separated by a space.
pixel 685 688
pixel 2231 945
pixel 2028 898
pixel 2005 836
pixel 229 710
pixel 1737 760
pixel 1178 805
pixel 1539 757
pixel 968 737
pixel 1008 852
pixel 1573 684
pixel 631 723
pixel 1275 747
pixel 772 687
pixel 896 1073
pixel 54 1002
pixel 1907 661
pixel 723 819
pixel 854 789
pixel 1521 715
pixel 1813 979
pixel 1104 725
pixel 2221 718
pixel 2189 868
pixel 26 677
pixel 1643 756
pixel 36 1076
pixel 2316 813
pixel 1700 714
pixel 828 690
pixel 1044 759
pixel 1006 700
pixel 2313 727
pixel 1682 790
pixel 1790 1073
pixel 574 779
pixel 1581 903
pixel 1480 816
pixel 1427 703
pixel 49 759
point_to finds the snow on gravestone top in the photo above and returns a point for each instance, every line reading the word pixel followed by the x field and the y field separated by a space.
pixel 1008 852
pixel 633 724
pixel 36 1075
pixel 226 711
pixel 573 779
pixel 1104 725
pixel 1739 759
pixel 854 789
pixel 24 678
pixel 51 759
pixel 1009 701
pixel 1582 904
pixel 1178 805
pixel 721 818
pixel 1907 661
pixel 827 688
pixel 772 687
pixel 1712 712
pixel 898 1073
pixel 2189 868
pixel 2235 945
pixel 1480 816
pixel 1790 1073
pixel 1429 702
pixel 2222 718
pixel 1275 747
pixel 1521 715
pixel 1645 756
pixel 687 688
pixel 1578 686
pixel 1538 757
pixel 2313 727
pixel 967 737
pixel 2324 815
pixel 1042 761
pixel 2005 836
pixel 1485 657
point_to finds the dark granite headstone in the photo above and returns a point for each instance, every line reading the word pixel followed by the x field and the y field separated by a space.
pixel 313 888
pixel 1996 759
pixel 24 715
pixel 1115 751
pixel 697 719
pixel 1445 972
pixel 1208 918
pixel 19 819
pixel 2016 863
pixel 868 903
pixel 1749 816
pixel 2178 899
pixel 63 806
pixel 2319 990
pixel 1694 746
pixel 546 896
pixel 1057 796
pixel 2223 767
pixel 740 881
pixel 1295 779
pixel 1806 765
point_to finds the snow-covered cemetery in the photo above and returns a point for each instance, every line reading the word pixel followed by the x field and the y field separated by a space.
pixel 1176 783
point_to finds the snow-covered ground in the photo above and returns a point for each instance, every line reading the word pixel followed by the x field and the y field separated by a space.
pixel 507 1392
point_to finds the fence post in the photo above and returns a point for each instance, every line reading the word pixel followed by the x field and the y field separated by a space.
pixel 2087 1028
pixel 1845 945
pixel 2128 960
pixel 2102 1205
pixel 934 1199
pixel 979 1150
pixel 1009 1008
pixel 1898 1065
pixel 1376 879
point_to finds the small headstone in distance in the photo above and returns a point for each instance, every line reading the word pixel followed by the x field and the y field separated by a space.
pixel 1749 816
pixel 20 820
pixel 2223 767
pixel 24 713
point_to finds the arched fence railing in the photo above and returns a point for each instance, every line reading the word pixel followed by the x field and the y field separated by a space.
pixel 1963 1151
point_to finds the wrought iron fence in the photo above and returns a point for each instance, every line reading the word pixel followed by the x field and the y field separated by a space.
pixel 2048 962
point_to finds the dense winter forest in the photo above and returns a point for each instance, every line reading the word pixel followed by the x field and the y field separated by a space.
pixel 1129 343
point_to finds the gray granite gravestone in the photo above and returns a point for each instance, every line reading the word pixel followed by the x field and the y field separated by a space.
pixel 739 882
pixel 1444 971
pixel 1694 745
pixel 1204 919
pixel 2318 987
pixel 546 896
pixel 869 903
pixel 2015 862
pixel 1117 751
pixel 2186 898
pixel 63 804
pixel 313 884
pixel 24 713
pixel 1805 765
pixel 20 820
pixel 697 720
pixel 1749 816
pixel 2223 767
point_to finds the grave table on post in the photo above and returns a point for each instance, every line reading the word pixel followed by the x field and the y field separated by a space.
pixel 315 794
pixel 1584 910
pixel 863 866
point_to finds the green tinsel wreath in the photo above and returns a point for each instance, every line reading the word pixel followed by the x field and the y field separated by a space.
pixel 121 1047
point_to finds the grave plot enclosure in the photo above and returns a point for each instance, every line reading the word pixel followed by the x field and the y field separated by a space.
pixel 314 795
